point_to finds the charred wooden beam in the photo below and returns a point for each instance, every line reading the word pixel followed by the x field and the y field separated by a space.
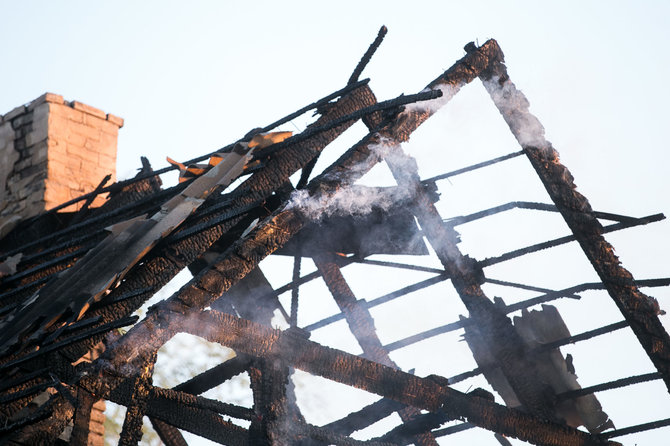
pixel 368 55
pixel 358 319
pixel 159 396
pixel 273 416
pixel 204 423
pixel 364 417
pixel 161 266
pixel 274 409
pixel 423 393
pixel 577 289
pixel 380 300
pixel 640 310
pixel 618 383
pixel 362 326
pixel 391 104
pixel 295 292
pixel 82 418
pixel 16 360
pixel 455 221
pixel 326 436
pixel 27 391
pixel 151 175
pixel 452 326
pixel 169 435
pixel 195 414
pixel 522 286
pixel 145 184
pixel 424 423
pixel 467 277
pixel 42 427
pixel 569 238
pixel 637 428
pixel 274 232
pixel 463 170
pixel 214 376
pixel 453 429
pixel 131 432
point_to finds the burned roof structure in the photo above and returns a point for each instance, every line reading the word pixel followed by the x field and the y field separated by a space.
pixel 71 280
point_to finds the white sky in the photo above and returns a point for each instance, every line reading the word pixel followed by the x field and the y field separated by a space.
pixel 191 77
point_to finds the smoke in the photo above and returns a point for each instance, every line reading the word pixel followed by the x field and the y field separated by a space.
pixel 433 105
pixel 348 200
pixel 513 105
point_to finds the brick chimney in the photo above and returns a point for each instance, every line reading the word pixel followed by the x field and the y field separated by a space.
pixel 52 151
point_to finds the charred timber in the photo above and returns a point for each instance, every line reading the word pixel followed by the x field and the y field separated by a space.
pixel 150 175
pixel 131 433
pixel 82 418
pixel 640 310
pixel 245 255
pixel 423 393
pixel 277 230
pixel 368 55
pixel 162 265
pixel 169 435
pixel 362 326
pixel 466 278
pixel 182 410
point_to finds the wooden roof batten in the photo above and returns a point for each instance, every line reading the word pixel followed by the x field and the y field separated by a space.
pixel 123 372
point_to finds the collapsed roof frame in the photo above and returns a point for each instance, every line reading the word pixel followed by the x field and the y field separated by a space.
pixel 268 354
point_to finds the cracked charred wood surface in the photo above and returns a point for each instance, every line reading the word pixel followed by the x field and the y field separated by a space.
pixel 364 417
pixel 245 255
pixel 423 393
pixel 169 435
pixel 82 418
pixel 9 408
pixel 204 423
pixel 461 73
pixel 46 430
pixel 166 261
pixel 274 410
pixel 358 318
pixel 131 434
pixel 639 310
pixel 362 326
pixel 467 277
pixel 274 417
pixel 275 231
pixel 403 434
pixel 178 409
pixel 320 435
pixel 215 376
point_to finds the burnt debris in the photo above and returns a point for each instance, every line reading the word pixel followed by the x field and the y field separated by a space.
pixel 69 281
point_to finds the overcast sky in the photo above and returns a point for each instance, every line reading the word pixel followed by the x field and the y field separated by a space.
pixel 190 77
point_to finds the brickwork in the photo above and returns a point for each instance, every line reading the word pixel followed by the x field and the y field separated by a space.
pixel 52 151
pixel 96 421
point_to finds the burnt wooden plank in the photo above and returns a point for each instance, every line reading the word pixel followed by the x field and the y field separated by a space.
pixel 109 261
